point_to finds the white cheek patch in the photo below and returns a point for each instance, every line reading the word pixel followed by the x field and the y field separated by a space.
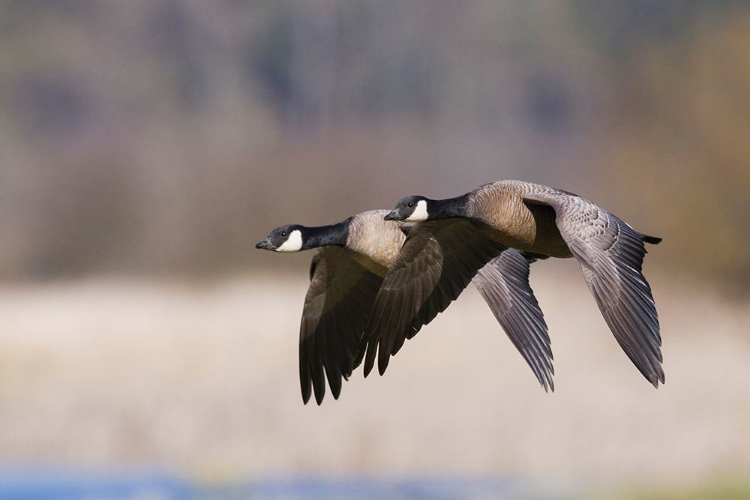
pixel 419 213
pixel 293 243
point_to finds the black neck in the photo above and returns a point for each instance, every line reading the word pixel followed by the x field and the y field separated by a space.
pixel 449 207
pixel 335 234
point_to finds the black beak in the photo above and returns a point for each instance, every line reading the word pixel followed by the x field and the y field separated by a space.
pixel 392 215
pixel 265 244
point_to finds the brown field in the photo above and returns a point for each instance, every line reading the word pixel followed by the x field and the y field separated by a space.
pixel 203 379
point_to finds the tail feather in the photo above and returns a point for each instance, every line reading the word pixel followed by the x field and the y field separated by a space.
pixel 650 239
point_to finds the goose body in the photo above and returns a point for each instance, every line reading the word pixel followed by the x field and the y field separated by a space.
pixel 346 274
pixel 532 218
pixel 503 214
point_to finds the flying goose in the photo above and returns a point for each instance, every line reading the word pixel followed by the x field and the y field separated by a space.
pixel 454 237
pixel 346 273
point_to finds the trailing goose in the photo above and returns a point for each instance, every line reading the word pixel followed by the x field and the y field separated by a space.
pixel 454 237
pixel 346 273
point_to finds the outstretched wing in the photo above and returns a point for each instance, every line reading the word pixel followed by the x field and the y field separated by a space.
pixel 504 285
pixel 611 256
pixel 337 307
pixel 435 264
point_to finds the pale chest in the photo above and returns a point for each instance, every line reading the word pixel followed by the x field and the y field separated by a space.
pixel 529 228
pixel 376 250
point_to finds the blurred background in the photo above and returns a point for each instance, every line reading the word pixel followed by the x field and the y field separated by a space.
pixel 146 348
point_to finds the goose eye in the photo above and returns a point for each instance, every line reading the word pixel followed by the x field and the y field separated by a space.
pixel 283 233
pixel 410 204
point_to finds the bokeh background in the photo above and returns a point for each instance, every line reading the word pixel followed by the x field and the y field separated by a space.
pixel 145 146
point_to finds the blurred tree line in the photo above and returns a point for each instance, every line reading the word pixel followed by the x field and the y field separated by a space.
pixel 167 137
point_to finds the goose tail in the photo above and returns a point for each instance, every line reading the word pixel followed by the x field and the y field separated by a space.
pixel 650 239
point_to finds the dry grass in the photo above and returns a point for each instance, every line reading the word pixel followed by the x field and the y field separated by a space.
pixel 203 379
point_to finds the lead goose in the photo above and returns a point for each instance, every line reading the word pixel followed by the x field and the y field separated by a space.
pixel 347 272
pixel 454 235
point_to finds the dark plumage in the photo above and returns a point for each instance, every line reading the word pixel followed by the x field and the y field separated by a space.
pixel 345 276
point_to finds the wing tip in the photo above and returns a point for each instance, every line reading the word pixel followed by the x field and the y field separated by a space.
pixel 658 379
pixel 369 364
pixel 383 360
pixel 305 385
pixel 368 353
pixel 319 395
pixel 656 376
pixel 359 357
pixel 545 380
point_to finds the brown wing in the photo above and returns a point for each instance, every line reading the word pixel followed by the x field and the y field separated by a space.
pixel 611 254
pixel 337 307
pixel 435 264
pixel 504 285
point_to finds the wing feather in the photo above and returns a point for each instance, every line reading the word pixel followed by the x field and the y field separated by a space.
pixel 611 254
pixel 337 307
pixel 504 285
pixel 435 264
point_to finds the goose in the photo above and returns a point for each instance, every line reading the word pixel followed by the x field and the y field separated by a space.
pixel 346 273
pixel 453 237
